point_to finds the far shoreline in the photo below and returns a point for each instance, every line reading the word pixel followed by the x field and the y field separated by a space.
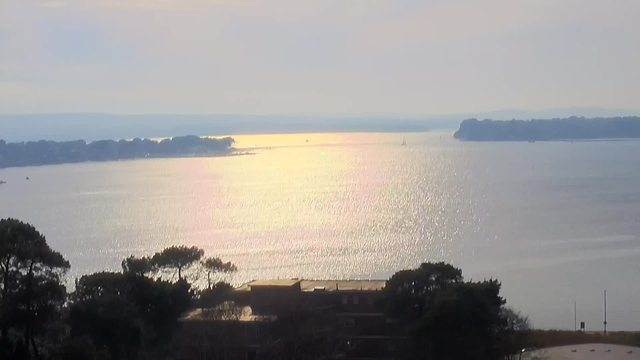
pixel 43 152
pixel 569 129
pixel 552 140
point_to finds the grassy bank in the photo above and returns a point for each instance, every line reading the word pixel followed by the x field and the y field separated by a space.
pixel 550 338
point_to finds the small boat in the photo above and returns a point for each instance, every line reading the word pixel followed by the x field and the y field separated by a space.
pixel 2 182
pixel 27 178
pixel 404 142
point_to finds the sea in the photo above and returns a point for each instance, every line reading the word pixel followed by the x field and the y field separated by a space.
pixel 557 223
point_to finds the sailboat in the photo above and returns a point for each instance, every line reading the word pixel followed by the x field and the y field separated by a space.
pixel 404 142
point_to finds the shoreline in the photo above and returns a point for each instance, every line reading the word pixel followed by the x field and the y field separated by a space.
pixel 230 154
pixel 556 140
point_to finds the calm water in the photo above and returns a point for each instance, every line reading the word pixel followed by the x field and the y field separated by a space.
pixel 555 222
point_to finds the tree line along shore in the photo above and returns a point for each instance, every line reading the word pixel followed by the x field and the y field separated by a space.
pixel 572 128
pixel 33 153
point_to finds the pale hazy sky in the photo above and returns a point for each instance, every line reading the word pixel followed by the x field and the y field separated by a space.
pixel 321 56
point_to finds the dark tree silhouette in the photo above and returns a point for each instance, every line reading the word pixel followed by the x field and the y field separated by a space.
pixel 516 335
pixel 464 323
pixel 409 292
pixel 110 315
pixel 31 273
pixel 127 313
pixel 80 348
pixel 214 295
pixel 178 258
pixel 450 319
pixel 137 266
pixel 216 265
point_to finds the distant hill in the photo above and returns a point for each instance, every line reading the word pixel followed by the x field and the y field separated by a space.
pixel 572 128
pixel 96 126
pixel 65 127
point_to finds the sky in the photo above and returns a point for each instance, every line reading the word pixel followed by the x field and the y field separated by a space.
pixel 317 57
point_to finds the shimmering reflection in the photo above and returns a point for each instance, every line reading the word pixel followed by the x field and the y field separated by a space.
pixel 340 205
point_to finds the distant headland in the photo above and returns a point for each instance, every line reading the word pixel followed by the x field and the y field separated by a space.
pixel 572 128
pixel 44 152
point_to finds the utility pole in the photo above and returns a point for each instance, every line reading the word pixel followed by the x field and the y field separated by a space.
pixel 575 317
pixel 605 313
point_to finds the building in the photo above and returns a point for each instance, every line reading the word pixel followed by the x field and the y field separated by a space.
pixel 271 319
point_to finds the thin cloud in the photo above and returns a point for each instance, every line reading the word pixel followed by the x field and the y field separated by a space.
pixel 330 56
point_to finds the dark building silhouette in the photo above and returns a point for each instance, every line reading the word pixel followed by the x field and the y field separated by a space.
pixel 272 319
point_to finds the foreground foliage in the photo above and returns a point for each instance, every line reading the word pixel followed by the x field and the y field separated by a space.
pixel 133 314
pixel 31 287
pixel 450 319
pixel 110 315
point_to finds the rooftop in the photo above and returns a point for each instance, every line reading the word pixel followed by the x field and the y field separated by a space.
pixel 277 282
pixel 227 311
pixel 320 285
pixel 343 285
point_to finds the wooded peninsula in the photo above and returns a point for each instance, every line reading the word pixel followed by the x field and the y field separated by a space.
pixel 51 152
pixel 572 128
